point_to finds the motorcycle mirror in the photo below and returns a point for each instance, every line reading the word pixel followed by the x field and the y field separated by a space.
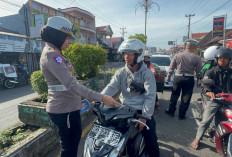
pixel 208 82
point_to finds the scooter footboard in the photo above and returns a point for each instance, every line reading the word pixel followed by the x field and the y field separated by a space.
pixel 229 146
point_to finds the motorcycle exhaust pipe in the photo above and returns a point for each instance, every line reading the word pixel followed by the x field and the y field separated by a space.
pixel 13 81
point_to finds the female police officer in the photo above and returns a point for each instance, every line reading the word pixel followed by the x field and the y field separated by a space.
pixel 64 94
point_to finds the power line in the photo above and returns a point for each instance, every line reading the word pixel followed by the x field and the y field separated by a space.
pixel 212 12
pixel 85 2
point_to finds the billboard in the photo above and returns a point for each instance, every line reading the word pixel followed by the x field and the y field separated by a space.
pixel 17 44
pixel 218 26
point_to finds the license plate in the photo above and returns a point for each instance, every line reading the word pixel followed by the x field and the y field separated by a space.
pixel 105 135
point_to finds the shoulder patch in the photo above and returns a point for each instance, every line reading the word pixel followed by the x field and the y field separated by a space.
pixel 58 59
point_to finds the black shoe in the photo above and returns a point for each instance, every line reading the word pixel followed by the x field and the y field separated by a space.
pixel 169 113
pixel 182 117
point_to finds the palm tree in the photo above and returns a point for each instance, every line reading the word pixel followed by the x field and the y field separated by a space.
pixel 147 5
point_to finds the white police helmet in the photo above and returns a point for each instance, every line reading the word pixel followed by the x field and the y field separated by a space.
pixel 135 46
pixel 191 41
pixel 62 24
pixel 147 53
pixel 211 51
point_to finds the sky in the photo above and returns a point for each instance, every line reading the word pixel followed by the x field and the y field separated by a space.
pixel 164 23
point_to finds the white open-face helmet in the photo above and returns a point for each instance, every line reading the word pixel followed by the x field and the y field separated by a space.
pixel 147 53
pixel 211 51
pixel 133 46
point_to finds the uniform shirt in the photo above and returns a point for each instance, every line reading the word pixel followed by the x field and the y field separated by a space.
pixel 185 63
pixel 57 70
pixel 120 81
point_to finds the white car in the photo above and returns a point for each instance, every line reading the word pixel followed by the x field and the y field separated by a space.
pixel 164 62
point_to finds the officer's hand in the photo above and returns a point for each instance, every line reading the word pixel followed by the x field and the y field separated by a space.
pixel 211 95
pixel 109 101
pixel 168 80
pixel 91 106
pixel 141 126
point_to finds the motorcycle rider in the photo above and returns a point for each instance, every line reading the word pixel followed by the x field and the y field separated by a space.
pixel 209 56
pixel 137 90
pixel 149 65
pixel 222 75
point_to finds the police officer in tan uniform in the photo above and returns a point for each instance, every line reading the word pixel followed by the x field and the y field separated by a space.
pixel 184 64
pixel 64 94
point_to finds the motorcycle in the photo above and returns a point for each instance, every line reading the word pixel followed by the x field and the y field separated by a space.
pixel 114 133
pixel 23 77
pixel 8 76
pixel 223 131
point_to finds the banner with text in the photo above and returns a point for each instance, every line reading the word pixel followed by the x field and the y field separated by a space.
pixel 218 26
pixel 17 44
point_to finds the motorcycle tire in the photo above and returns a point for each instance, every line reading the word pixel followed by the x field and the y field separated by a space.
pixel 7 84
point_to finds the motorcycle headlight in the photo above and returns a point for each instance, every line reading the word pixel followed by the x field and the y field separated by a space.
pixel 115 151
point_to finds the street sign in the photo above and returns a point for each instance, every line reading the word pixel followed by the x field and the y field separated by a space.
pixel 171 42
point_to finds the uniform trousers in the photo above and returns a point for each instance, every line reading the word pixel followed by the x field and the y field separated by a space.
pixel 69 125
pixel 184 84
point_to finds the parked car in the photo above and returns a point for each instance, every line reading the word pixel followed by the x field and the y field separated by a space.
pixel 159 77
pixel 164 62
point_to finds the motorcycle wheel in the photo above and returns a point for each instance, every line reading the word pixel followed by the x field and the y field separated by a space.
pixel 8 84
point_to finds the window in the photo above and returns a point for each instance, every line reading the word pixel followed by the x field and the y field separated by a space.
pixel 161 61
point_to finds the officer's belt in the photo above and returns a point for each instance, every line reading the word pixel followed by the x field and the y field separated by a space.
pixel 184 75
pixel 57 88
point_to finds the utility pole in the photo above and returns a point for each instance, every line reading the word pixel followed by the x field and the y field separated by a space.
pixel 189 16
pixel 123 32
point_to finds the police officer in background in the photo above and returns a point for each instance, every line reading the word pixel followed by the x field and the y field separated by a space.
pixel 184 64
pixel 64 94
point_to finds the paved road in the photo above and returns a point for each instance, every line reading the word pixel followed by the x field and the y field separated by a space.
pixel 9 99
pixel 175 136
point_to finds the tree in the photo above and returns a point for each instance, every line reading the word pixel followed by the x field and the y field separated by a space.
pixel 141 37
pixel 147 5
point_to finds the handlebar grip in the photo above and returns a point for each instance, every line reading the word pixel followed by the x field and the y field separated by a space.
pixel 220 99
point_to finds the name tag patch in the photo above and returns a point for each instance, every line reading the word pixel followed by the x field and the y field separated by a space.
pixel 58 59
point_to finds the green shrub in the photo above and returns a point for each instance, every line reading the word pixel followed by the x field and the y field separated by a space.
pixel 5 138
pixel 86 59
pixel 39 84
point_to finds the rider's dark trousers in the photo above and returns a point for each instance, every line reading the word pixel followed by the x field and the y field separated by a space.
pixel 208 114
pixel 151 144
pixel 186 84
pixel 69 125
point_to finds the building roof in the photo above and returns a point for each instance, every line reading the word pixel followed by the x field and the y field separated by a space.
pixel 101 28
pixel 198 35
pixel 7 30
pixel 115 39
pixel 228 34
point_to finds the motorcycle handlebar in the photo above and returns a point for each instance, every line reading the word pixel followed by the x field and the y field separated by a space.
pixel 136 120
pixel 220 99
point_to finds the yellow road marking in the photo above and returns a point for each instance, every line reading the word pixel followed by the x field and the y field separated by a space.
pixel 90 125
